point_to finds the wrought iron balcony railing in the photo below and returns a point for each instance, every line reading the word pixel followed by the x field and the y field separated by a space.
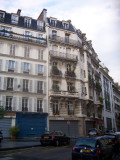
pixel 65 56
pixel 70 74
pixel 63 40
pixel 21 37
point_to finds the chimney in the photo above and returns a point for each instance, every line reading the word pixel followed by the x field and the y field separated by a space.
pixel 43 15
pixel 69 21
pixel 18 12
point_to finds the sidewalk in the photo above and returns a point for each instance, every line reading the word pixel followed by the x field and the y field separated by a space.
pixel 8 144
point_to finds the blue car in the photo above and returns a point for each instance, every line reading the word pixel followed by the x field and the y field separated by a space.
pixel 92 148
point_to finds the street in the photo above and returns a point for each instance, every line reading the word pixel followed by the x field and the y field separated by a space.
pixel 41 153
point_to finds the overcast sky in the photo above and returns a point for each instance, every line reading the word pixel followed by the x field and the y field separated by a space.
pixel 99 19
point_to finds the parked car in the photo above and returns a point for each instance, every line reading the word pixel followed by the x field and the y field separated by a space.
pixel 115 140
pixel 1 136
pixel 92 148
pixel 56 137
pixel 94 132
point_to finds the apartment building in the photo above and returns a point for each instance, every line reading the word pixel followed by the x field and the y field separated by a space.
pixel 23 73
pixel 92 105
pixel 107 91
pixel 116 105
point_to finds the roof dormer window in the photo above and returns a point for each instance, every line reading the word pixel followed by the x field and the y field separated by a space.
pixel 53 22
pixel 66 26
pixel 40 25
pixel 2 16
pixel 27 22
pixel 14 19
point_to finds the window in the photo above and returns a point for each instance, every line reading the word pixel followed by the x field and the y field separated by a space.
pixel 27 35
pixel 24 104
pixel 39 38
pixel 68 67
pixel 70 87
pixel 2 15
pixel 6 31
pixel 25 85
pixel 14 19
pixel 55 107
pixel 27 52
pixel 8 103
pixel 55 64
pixel 40 25
pixel 55 86
pixel 26 68
pixel 40 87
pixel 12 49
pixel 11 66
pixel 10 84
pixel 53 23
pixel 66 25
pixel 27 22
pixel 40 54
pixel 67 38
pixel 40 69
pixel 39 106
pixel 70 108
pixel 54 33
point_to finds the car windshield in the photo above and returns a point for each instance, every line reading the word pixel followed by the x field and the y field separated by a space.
pixel 92 132
pixel 86 142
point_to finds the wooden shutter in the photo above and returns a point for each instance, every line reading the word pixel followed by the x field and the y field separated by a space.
pixel 20 104
pixel 0 64
pixel 14 104
pixel 16 67
pixel 30 104
pixel 30 86
pixel 15 86
pixel 44 87
pixel 5 83
pixel 35 105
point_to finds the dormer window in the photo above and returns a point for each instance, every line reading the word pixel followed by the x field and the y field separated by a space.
pixel 53 21
pixel 40 25
pixel 27 22
pixel 2 16
pixel 14 19
pixel 66 26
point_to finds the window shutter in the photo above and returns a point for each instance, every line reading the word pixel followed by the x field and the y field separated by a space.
pixel 30 86
pixel 35 86
pixel 20 104
pixel 0 64
pixel 4 101
pixel 11 49
pixel 44 87
pixel 30 104
pixel 14 104
pixel 0 83
pixel 35 104
pixel 45 70
pixel 30 68
pixel 16 67
pixel 5 83
pixel 36 69
pixel 15 84
pixel 21 85
pixel 44 106
pixel 22 67
pixel 6 67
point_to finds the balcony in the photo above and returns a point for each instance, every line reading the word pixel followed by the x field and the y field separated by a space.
pixel 56 72
pixel 64 94
pixel 63 56
pixel 70 112
pixel 22 37
pixel 97 74
pixel 98 87
pixel 70 74
pixel 94 60
pixel 63 40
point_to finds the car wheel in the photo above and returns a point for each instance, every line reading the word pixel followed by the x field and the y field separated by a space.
pixel 57 143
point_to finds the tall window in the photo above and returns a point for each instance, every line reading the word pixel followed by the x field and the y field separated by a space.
pixel 66 26
pixel 12 49
pixel 27 52
pixel 14 19
pixel 10 84
pixel 27 22
pixel 25 85
pixel 70 108
pixel 54 33
pixel 40 87
pixel 27 35
pixel 67 38
pixel 40 69
pixel 2 14
pixel 24 104
pixel 40 25
pixel 70 87
pixel 11 66
pixel 26 67
pixel 39 106
pixel 68 67
pixel 53 22
pixel 8 103
pixel 40 54
pixel 55 107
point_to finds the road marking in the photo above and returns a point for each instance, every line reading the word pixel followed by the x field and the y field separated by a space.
pixel 55 148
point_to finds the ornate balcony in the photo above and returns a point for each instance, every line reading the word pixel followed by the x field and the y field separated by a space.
pixel 56 72
pixel 63 56
pixel 21 37
pixel 70 74
pixel 59 39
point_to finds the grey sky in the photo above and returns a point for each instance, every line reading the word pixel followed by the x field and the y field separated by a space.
pixel 99 19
